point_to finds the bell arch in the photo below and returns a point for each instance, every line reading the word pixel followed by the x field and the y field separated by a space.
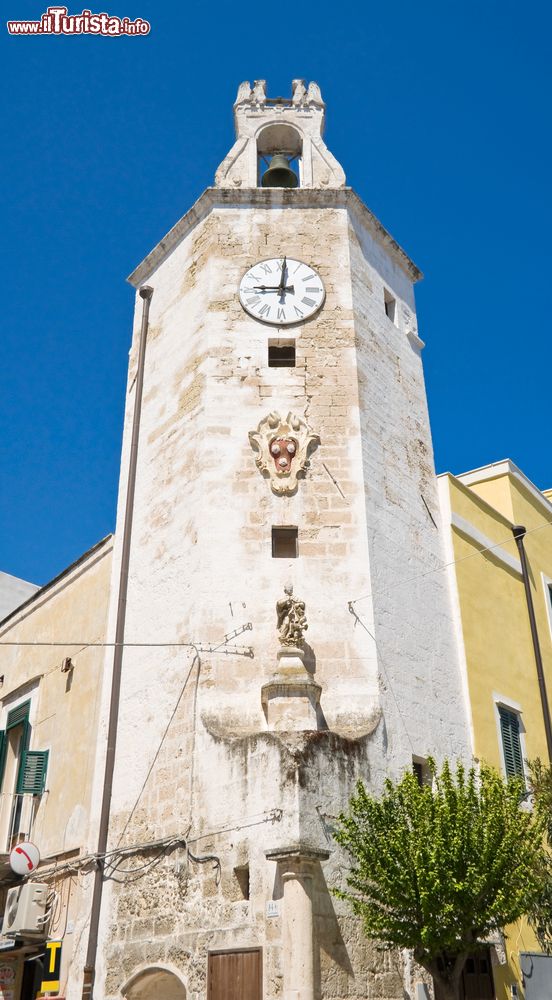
pixel 279 137
pixel 155 982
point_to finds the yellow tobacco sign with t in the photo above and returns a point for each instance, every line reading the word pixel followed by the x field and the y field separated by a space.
pixel 52 967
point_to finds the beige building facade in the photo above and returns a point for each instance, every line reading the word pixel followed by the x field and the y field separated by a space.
pixel 51 655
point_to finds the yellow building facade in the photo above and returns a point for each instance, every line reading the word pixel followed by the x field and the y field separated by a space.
pixel 502 597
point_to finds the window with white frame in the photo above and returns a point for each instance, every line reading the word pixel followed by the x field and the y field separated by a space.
pixel 512 749
pixel 22 777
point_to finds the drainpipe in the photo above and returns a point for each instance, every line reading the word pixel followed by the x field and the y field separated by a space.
pixel 519 534
pixel 145 293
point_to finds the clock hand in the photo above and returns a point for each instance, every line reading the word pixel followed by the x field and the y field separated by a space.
pixel 274 288
pixel 282 284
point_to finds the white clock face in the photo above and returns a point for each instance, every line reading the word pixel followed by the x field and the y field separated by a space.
pixel 281 291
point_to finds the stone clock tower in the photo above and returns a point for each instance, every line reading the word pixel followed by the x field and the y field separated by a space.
pixel 284 580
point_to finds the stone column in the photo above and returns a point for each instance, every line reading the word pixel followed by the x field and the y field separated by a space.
pixel 297 870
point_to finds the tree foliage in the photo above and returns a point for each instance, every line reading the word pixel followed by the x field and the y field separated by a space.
pixel 540 776
pixel 540 912
pixel 438 868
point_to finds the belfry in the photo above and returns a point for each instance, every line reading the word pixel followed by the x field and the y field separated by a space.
pixel 285 520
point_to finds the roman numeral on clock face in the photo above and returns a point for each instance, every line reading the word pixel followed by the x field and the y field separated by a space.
pixel 281 295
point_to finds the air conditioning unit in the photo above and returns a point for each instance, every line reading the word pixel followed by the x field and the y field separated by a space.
pixel 25 910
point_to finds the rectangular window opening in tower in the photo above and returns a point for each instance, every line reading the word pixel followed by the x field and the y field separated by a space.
pixel 390 306
pixel 285 542
pixel 421 771
pixel 281 354
pixel 242 877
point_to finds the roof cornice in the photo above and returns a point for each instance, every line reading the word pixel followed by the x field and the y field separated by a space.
pixel 505 468
pixel 94 551
pixel 477 500
pixel 272 198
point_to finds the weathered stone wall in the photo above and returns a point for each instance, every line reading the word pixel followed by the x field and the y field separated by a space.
pixel 417 656
pixel 182 909
pixel 195 760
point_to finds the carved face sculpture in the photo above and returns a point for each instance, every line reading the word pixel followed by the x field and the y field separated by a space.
pixel 283 451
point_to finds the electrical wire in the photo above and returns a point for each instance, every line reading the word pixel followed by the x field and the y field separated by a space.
pixel 196 659
pixel 443 566
pixel 134 875
pixel 247 650
pixel 51 901
pixel 203 647
pixel 381 664
pixel 76 865
pixel 272 816
pixel 115 866
pixel 203 859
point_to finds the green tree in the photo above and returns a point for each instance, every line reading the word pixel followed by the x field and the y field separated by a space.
pixel 540 777
pixel 540 912
pixel 437 868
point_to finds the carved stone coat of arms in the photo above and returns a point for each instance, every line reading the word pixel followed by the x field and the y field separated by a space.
pixel 283 448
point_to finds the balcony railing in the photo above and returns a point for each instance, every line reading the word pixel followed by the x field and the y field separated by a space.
pixel 17 814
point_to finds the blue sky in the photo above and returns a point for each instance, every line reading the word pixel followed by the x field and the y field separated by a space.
pixel 440 115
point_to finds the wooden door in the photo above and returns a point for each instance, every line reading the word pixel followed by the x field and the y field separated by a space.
pixel 477 978
pixel 235 975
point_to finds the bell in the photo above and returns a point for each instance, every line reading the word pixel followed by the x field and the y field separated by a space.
pixel 279 173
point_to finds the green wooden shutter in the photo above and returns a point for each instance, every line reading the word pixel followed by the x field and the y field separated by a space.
pixel 18 715
pixel 32 772
pixel 511 743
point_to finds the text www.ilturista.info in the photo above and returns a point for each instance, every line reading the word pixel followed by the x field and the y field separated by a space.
pixel 56 21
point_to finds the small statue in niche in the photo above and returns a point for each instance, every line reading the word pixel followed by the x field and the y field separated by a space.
pixel 292 621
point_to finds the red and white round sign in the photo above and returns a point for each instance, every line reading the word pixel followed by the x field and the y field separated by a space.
pixel 24 858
